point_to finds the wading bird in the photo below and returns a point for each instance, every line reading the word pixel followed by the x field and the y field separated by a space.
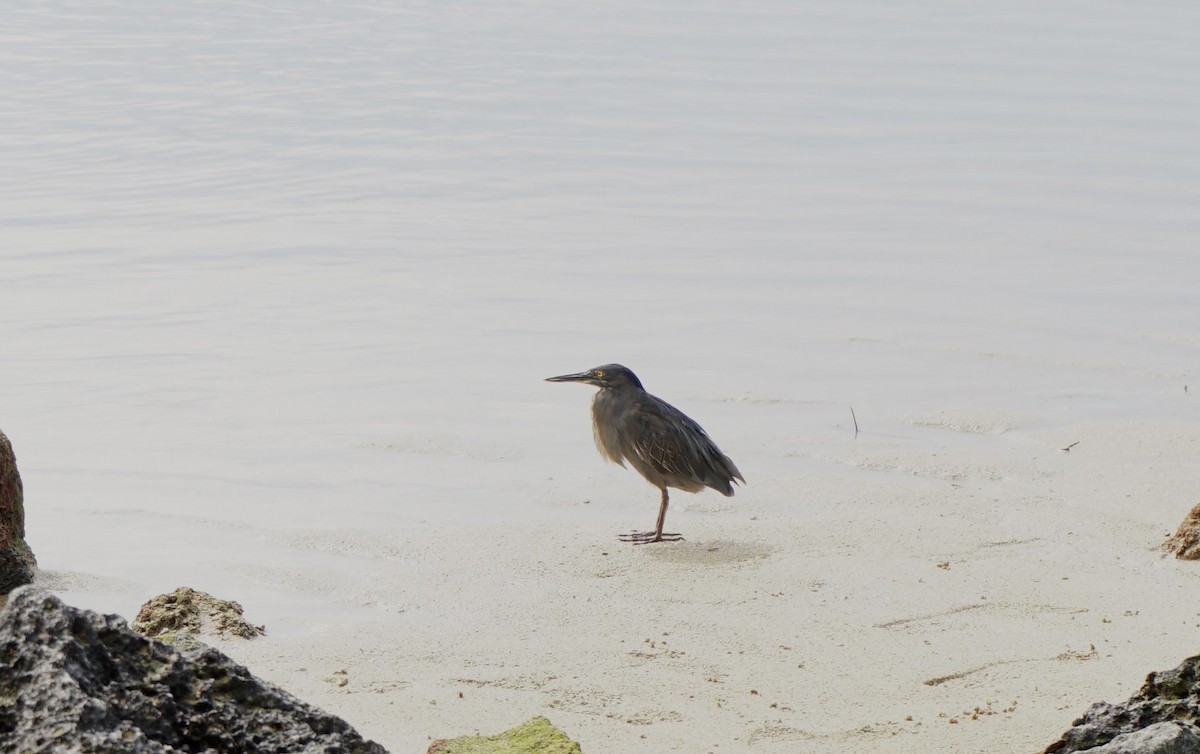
pixel 661 443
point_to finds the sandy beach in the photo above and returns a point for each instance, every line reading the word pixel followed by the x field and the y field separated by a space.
pixel 282 283
pixel 964 592
pixel 944 601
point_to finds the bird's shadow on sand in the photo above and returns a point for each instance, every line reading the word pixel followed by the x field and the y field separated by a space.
pixel 713 552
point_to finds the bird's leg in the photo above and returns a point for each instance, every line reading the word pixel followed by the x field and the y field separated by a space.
pixel 646 537
pixel 662 516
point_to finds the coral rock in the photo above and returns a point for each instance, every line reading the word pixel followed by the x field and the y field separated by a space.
pixel 76 681
pixel 1185 542
pixel 1160 738
pixel 1168 696
pixel 178 617
pixel 17 564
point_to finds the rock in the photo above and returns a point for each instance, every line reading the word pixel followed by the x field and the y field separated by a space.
pixel 1160 738
pixel 1185 542
pixel 1167 696
pixel 17 564
pixel 76 681
pixel 537 736
pixel 177 618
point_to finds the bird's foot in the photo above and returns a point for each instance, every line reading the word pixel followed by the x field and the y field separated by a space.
pixel 646 537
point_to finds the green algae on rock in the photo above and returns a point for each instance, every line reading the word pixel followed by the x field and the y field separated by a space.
pixel 181 616
pixel 536 736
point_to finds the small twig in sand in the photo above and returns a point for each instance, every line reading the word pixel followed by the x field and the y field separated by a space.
pixel 855 418
pixel 1068 448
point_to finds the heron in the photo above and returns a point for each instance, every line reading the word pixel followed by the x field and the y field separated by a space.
pixel 663 444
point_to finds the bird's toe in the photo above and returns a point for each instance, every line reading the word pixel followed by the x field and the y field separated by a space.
pixel 647 537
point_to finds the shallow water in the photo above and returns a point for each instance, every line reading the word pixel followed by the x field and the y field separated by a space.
pixel 275 268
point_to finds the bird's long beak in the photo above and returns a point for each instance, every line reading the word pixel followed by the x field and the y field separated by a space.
pixel 577 377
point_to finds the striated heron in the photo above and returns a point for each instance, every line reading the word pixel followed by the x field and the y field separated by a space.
pixel 665 446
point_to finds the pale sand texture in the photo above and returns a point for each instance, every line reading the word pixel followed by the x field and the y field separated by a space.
pixel 942 601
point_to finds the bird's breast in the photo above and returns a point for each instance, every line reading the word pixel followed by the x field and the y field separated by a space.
pixel 606 427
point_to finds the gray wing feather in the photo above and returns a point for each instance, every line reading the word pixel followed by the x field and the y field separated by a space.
pixel 676 448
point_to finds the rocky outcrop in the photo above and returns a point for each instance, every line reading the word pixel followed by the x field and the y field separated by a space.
pixel 1162 718
pixel 75 680
pixel 1185 542
pixel 537 736
pixel 1160 738
pixel 179 617
pixel 17 564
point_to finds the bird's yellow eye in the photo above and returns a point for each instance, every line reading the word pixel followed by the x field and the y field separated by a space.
pixel 600 373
